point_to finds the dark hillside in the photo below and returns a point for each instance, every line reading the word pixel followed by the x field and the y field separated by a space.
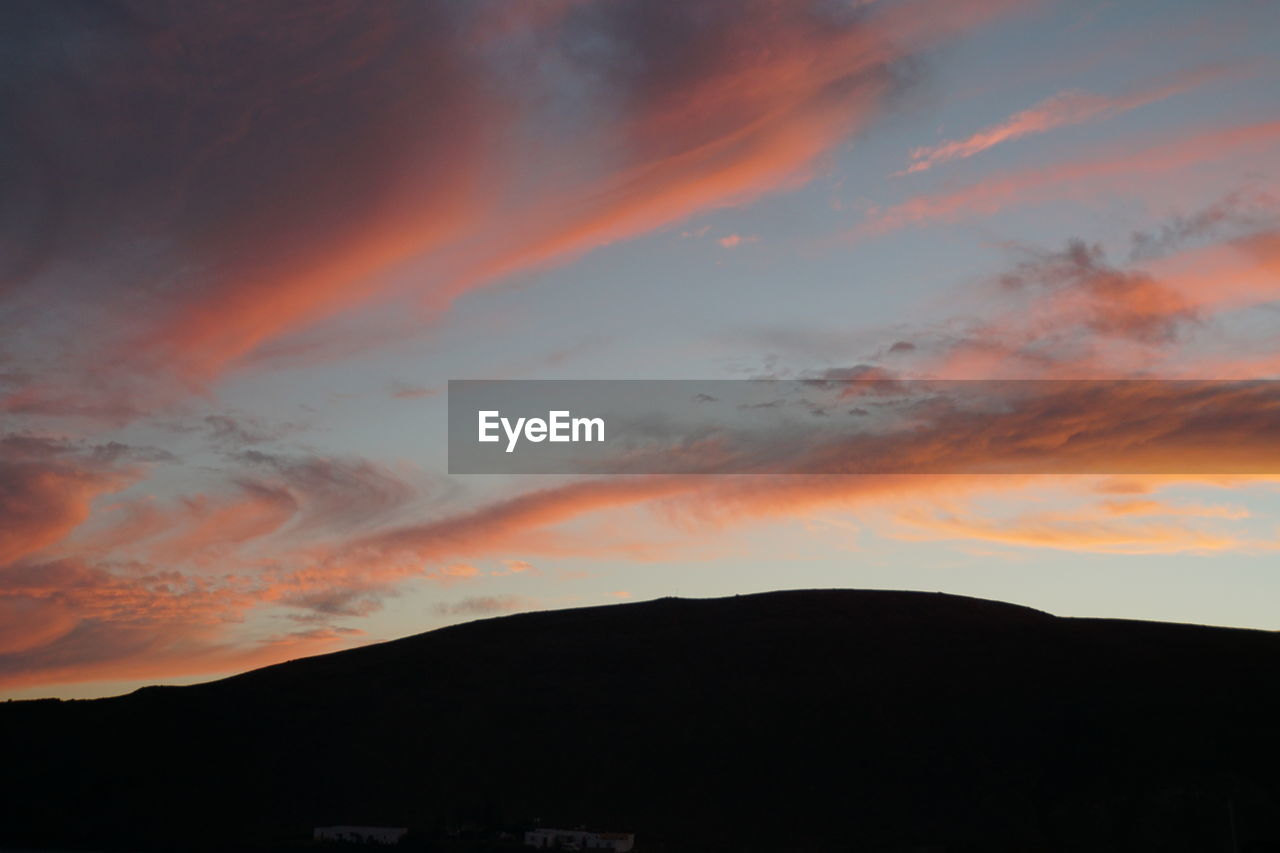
pixel 817 720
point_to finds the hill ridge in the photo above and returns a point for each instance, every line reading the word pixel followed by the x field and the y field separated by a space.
pixel 801 719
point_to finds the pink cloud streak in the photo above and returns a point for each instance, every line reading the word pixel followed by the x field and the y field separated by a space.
pixel 1060 110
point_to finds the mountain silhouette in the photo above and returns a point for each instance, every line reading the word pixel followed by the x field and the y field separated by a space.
pixel 804 720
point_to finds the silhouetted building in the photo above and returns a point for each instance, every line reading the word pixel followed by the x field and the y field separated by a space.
pixel 579 839
pixel 360 834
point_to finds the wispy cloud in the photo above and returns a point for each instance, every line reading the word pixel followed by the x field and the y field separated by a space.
pixel 154 587
pixel 1138 167
pixel 1060 110
pixel 381 139
pixel 1094 529
pixel 249 189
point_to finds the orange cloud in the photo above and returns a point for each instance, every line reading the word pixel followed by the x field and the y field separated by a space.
pixel 273 233
pixel 148 582
pixel 208 531
pixel 1072 313
pixel 275 173
pixel 29 623
pixel 347 579
pixel 126 620
pixel 1104 529
pixel 46 489
pixel 1074 179
pixel 343 141
pixel 92 654
pixel 1065 108
pixel 84 618
pixel 746 111
pixel 293 496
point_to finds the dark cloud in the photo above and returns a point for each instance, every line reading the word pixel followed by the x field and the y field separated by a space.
pixel 484 605
pixel 238 431
pixel 115 451
pixel 198 180
pixel 334 493
pixel 326 632
pixel 344 601
pixel 211 120
pixel 1240 211
pixel 194 160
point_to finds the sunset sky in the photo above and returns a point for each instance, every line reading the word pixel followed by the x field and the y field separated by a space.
pixel 245 245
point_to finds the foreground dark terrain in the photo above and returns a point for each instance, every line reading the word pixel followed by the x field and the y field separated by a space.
pixel 824 720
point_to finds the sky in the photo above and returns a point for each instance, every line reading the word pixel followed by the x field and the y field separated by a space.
pixel 244 246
